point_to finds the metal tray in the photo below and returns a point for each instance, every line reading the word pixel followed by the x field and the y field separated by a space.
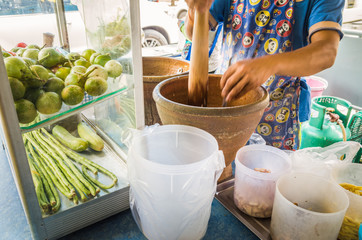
pixel 72 217
pixel 225 195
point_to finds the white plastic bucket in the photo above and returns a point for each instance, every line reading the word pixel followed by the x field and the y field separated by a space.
pixel 254 191
pixel 307 206
pixel 173 172
pixel 317 85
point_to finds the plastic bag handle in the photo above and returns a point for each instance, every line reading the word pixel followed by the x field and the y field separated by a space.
pixel 220 165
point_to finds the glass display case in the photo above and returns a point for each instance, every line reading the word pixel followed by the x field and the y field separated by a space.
pixel 37 151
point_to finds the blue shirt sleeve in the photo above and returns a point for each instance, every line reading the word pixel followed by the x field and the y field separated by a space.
pixel 325 14
pixel 219 9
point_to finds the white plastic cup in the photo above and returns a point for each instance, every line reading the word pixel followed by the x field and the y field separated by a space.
pixel 254 191
pixel 173 172
pixel 307 206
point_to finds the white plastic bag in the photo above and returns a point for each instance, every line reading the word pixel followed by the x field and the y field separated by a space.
pixel 173 172
pixel 319 160
pixel 256 139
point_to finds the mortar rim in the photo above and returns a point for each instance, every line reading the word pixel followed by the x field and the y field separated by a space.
pixel 157 78
pixel 262 103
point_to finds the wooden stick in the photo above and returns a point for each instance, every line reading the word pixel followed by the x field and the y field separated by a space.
pixel 198 77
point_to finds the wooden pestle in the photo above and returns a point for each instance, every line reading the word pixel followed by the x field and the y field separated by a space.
pixel 198 76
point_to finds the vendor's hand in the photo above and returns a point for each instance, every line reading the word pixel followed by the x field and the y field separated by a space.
pixel 199 5
pixel 244 76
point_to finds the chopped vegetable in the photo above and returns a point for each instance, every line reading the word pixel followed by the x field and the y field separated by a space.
pixel 263 170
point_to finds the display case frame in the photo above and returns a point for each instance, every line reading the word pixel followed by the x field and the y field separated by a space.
pixel 72 219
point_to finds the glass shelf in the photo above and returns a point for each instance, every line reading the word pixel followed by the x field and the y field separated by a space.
pixel 67 111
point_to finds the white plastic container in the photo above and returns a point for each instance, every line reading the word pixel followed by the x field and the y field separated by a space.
pixel 350 173
pixel 307 206
pixel 173 172
pixel 253 190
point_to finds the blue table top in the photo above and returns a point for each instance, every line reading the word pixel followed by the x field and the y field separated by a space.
pixel 13 224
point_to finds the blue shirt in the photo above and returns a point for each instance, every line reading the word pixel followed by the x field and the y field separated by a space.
pixel 310 16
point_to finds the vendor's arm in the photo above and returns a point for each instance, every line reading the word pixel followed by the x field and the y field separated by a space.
pixel 249 74
pixel 324 32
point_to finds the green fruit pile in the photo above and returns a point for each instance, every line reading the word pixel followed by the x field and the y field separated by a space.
pixel 41 79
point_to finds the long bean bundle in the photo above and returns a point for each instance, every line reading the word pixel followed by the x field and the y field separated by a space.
pixel 52 167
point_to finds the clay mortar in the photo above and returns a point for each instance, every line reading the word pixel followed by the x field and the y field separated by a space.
pixel 232 126
pixel 156 69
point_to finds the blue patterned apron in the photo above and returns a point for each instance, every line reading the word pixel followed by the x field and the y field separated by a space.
pixel 262 27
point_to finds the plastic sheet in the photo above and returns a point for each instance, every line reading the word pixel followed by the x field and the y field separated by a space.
pixel 173 172
pixel 327 162
pixel 256 139
pixel 320 160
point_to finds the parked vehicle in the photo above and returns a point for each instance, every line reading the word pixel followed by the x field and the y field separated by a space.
pixel 27 20
pixel 179 10
pixel 159 28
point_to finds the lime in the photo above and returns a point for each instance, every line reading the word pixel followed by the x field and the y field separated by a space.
pixel 48 103
pixel 93 57
pixel 72 95
pixel 17 88
pixel 73 56
pixel 17 68
pixel 102 59
pixel 29 61
pixel 41 76
pixel 31 53
pixel 97 71
pixel 78 69
pixel 32 94
pixel 33 46
pixel 74 79
pixel 62 72
pixel 51 75
pixel 113 68
pixel 20 52
pixel 67 64
pixel 15 49
pixel 87 53
pixel 54 84
pixel 50 57
pixel 95 86
pixel 25 110
pixel 82 62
